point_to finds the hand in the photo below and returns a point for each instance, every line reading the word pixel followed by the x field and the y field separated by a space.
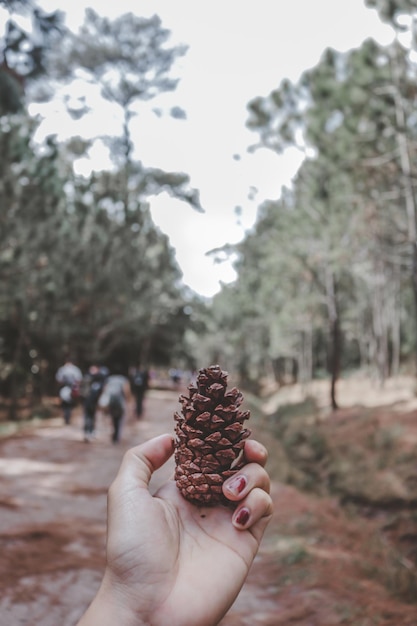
pixel 171 562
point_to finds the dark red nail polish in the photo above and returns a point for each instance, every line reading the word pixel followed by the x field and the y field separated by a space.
pixel 237 484
pixel 242 517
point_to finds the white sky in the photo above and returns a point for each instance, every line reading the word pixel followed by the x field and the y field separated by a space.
pixel 237 50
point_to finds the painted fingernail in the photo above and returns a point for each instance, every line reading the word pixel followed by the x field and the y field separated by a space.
pixel 242 517
pixel 237 484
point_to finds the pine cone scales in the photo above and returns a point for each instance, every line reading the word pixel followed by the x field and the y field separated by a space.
pixel 210 437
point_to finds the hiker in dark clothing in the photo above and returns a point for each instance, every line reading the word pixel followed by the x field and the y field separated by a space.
pixel 92 386
pixel 139 383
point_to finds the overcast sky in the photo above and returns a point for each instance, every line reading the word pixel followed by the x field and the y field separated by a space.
pixel 237 51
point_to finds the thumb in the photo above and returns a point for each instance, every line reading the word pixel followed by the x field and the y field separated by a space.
pixel 140 462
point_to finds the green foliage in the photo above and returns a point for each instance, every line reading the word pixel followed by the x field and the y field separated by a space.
pixel 131 63
pixel 391 10
pixel 128 56
pixel 24 52
pixel 77 272
pixel 326 278
pixel 11 92
pixel 83 268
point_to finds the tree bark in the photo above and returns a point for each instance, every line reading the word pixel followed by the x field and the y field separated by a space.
pixel 335 360
pixel 14 383
pixel 334 336
pixel 407 180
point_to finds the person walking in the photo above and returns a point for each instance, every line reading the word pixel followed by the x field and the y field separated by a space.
pixel 115 394
pixel 91 388
pixel 69 377
pixel 139 383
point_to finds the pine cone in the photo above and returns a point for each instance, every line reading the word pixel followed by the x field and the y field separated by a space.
pixel 210 437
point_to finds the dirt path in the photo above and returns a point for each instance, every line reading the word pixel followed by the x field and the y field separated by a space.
pixel 310 570
pixel 53 509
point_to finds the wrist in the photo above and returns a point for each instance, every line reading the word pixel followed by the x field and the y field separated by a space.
pixel 111 606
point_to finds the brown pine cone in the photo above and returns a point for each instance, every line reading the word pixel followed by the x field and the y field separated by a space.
pixel 210 437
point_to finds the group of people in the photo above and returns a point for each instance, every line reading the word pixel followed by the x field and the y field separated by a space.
pixel 100 389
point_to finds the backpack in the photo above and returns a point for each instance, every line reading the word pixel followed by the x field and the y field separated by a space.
pixel 115 405
pixel 75 391
pixel 92 394
pixel 138 380
pixel 65 394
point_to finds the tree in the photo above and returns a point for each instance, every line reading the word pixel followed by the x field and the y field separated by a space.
pixel 74 274
pixel 352 116
pixel 130 62
pixel 83 266
pixel 30 194
pixel 24 51
pixel 402 16
pixel 391 11
pixel 328 259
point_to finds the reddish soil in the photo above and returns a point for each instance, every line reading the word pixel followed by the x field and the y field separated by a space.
pixel 319 564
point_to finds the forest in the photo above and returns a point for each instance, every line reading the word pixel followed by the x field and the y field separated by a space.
pixel 327 278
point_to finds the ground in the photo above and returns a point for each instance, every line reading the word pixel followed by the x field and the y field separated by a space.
pixel 322 562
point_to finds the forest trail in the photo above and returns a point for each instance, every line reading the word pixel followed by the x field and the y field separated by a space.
pixel 53 489
pixel 52 533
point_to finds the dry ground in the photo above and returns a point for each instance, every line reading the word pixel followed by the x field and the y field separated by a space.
pixel 319 564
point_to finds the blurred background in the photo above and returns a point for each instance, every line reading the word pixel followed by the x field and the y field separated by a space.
pixel 189 183
pixel 207 184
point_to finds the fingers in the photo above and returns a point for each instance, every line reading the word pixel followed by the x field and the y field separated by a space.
pixel 140 462
pixel 250 476
pixel 249 489
pixel 255 452
pixel 254 512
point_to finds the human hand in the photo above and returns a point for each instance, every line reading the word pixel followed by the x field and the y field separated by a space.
pixel 169 561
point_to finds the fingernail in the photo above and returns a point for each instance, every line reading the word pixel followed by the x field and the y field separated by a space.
pixel 242 517
pixel 259 448
pixel 237 484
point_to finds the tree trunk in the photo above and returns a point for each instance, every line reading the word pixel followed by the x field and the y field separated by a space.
pixel 127 142
pixel 407 179
pixel 380 325
pixel 305 356
pixel 414 287
pixel 396 328
pixel 335 359
pixel 334 336
pixel 14 383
